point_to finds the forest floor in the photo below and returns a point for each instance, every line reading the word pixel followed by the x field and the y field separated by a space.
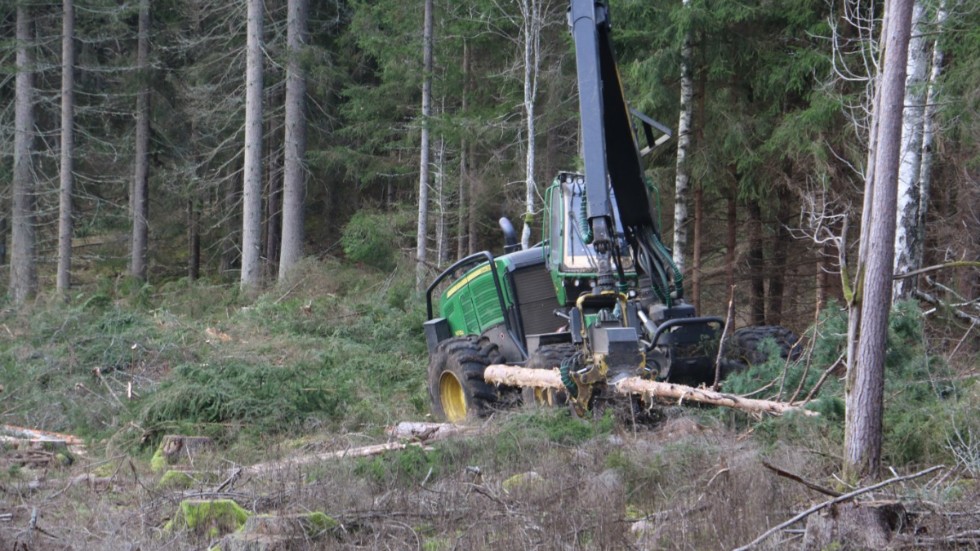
pixel 283 385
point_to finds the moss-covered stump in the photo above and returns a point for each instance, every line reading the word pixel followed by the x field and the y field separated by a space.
pixel 208 517
pixel 177 479
pixel 279 532
pixel 175 448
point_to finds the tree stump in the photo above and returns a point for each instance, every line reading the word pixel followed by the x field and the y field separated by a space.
pixel 175 447
pixel 856 525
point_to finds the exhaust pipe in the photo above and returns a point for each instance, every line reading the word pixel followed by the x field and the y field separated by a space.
pixel 510 236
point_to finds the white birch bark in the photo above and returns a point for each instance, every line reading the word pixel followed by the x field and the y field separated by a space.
pixel 929 131
pixel 252 172
pixel 442 229
pixel 294 173
pixel 908 234
pixel 683 177
pixel 63 279
pixel 23 264
pixel 421 237
pixel 531 13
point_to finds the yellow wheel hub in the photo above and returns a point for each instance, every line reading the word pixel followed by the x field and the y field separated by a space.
pixel 452 397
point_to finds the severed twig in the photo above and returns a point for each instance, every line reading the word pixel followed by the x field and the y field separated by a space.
pixel 823 378
pixel 721 341
pixel 801 480
pixel 836 500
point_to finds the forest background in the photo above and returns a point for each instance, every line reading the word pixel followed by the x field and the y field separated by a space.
pixel 181 175
pixel 775 155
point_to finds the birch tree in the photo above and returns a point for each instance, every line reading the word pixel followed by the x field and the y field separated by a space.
pixel 909 234
pixel 683 176
pixel 865 378
pixel 294 177
pixel 23 264
pixel 532 14
pixel 252 172
pixel 929 129
pixel 63 279
pixel 141 164
pixel 421 236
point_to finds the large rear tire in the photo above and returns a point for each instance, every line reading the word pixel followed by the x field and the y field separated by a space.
pixel 548 356
pixel 456 385
pixel 744 348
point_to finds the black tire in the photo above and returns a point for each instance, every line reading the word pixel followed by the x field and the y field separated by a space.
pixel 548 356
pixel 743 349
pixel 456 386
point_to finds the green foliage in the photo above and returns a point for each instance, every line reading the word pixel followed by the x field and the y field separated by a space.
pixel 558 426
pixel 263 396
pixel 407 467
pixel 920 396
pixel 372 238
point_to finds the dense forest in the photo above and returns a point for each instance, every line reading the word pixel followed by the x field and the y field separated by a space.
pixel 217 218
pixel 769 166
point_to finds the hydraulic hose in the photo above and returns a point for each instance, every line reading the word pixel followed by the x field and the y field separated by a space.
pixel 583 221
pixel 566 377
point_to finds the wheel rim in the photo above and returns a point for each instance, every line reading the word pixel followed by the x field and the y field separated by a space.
pixel 452 397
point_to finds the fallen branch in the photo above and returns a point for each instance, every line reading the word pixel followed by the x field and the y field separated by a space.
pixel 801 480
pixel 543 378
pixel 830 502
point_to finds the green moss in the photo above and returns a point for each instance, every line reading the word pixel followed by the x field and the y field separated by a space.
pixel 528 480
pixel 158 462
pixel 176 480
pixel 319 522
pixel 208 517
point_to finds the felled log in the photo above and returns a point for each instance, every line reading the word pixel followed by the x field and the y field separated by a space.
pixel 362 451
pixel 426 432
pixel 544 378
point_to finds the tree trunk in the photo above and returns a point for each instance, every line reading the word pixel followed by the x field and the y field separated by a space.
pixel 230 227
pixel 731 243
pixel 550 378
pixel 756 258
pixel 696 254
pixel 865 381
pixel 193 239
pixel 462 233
pixel 442 226
pixel 682 180
pixel 251 275
pixel 67 147
pixel 141 172
pixel 421 236
pixel 908 233
pixel 777 272
pixel 531 11
pixel 23 264
pixel 273 193
pixel 928 130
pixel 294 178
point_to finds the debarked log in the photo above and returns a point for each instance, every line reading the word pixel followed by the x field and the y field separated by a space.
pixel 543 378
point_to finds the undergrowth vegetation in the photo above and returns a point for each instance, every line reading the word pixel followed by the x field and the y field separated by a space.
pixel 328 359
pixel 925 400
pixel 336 347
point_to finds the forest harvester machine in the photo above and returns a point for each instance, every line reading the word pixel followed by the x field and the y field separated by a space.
pixel 600 297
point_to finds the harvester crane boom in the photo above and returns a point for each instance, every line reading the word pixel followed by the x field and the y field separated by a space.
pixel 612 157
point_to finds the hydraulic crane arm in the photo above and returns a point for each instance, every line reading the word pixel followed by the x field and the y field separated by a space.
pixel 612 156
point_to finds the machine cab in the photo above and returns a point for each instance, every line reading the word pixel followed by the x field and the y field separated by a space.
pixel 571 260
